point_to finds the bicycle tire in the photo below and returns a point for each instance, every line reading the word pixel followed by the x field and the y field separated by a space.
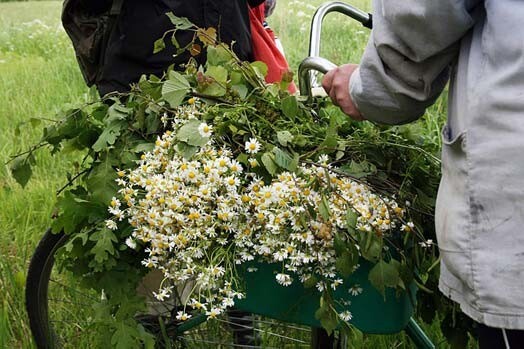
pixel 37 283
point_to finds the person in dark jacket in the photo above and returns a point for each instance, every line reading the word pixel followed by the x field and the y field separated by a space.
pixel 128 52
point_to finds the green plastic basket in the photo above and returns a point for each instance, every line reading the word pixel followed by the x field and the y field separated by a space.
pixel 296 304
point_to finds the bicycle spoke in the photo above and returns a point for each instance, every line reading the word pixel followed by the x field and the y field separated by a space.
pixel 262 331
pixel 223 343
pixel 73 289
pixel 274 323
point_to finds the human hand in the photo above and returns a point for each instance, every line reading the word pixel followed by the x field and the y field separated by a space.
pixel 336 84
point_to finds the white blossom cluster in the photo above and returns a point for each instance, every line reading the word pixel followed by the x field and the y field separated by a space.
pixel 197 218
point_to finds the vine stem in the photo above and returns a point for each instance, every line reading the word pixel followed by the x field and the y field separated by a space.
pixel 59 191
pixel 30 151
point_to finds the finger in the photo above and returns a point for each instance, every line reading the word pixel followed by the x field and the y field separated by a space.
pixel 327 80
pixel 333 96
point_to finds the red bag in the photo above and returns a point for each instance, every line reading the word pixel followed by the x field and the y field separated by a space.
pixel 265 48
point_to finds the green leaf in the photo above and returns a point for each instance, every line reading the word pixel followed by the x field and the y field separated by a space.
pixel 118 112
pixel 217 88
pixel 327 317
pixel 109 135
pixel 124 336
pixel 372 247
pixel 241 90
pixel 74 211
pixel 323 208
pixel 104 247
pixel 218 73
pixel 290 106
pixel 116 121
pixel 152 123
pixel 384 275
pixel 186 150
pixel 159 45
pixel 180 23
pixel 150 88
pixel 175 89
pixel 260 69
pixel 339 244
pixel 347 261
pixel 311 281
pixel 218 55
pixel 21 170
pixel 284 160
pixel 360 169
pixel 35 122
pixel 189 134
pixel 330 143
pixel 101 182
pixel 269 163
pixel 351 220
pixel 144 147
pixel 236 78
pixel 284 138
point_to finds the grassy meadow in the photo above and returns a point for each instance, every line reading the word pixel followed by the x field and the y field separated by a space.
pixel 39 76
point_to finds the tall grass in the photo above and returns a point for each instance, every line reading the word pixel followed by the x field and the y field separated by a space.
pixel 39 75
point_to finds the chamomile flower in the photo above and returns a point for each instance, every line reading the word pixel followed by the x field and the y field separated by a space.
pixel 163 294
pixel 408 227
pixel 235 167
pixel 252 146
pixel 182 316
pixel 426 244
pixel 323 159
pixel 111 224
pixel 131 243
pixel 355 290
pixel 205 130
pixel 284 279
pixel 214 312
pixel 345 316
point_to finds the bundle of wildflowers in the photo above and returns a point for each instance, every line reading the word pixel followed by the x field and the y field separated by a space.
pixel 199 217
pixel 209 171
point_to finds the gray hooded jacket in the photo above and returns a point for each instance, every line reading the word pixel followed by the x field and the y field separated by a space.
pixel 415 46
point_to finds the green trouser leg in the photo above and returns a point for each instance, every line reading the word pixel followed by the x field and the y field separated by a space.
pixel 418 336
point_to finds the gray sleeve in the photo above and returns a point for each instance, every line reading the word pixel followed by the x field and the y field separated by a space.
pixel 407 60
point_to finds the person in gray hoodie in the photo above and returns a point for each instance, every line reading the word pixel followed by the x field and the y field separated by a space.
pixel 415 48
